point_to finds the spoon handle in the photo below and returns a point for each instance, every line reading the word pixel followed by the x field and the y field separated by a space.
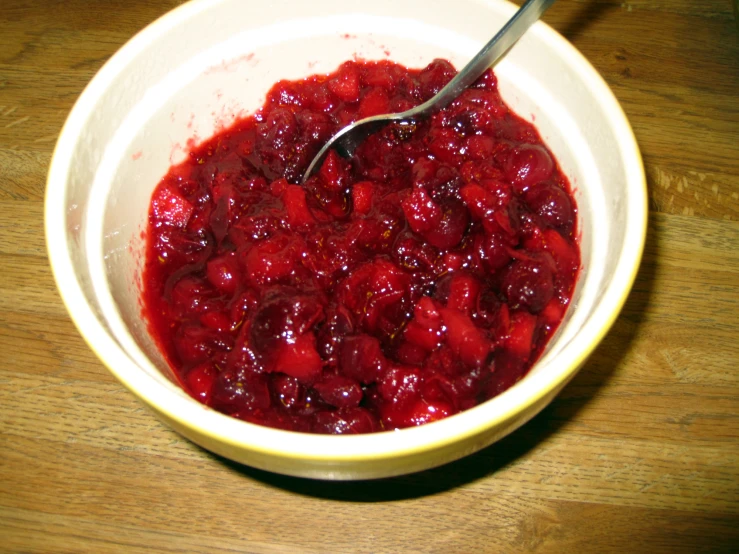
pixel 527 14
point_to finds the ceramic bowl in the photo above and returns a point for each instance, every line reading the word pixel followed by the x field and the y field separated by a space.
pixel 209 61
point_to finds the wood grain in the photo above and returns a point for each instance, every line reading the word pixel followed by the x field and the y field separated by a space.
pixel 640 453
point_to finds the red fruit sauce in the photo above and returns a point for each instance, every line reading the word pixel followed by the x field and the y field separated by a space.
pixel 412 282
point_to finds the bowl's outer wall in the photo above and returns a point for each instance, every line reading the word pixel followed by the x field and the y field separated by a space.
pixel 348 470
pixel 124 131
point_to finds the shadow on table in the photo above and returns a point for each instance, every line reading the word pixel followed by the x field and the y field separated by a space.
pixel 579 17
pixel 594 375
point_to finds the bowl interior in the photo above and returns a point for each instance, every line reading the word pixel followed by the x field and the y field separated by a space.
pixel 207 63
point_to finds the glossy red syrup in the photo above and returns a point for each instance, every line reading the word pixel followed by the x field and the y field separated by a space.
pixel 412 282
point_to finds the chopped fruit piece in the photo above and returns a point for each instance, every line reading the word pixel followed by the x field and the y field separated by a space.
pixel 269 261
pixel 422 213
pixel 564 253
pixel 416 279
pixel 419 413
pixel 195 344
pixel 521 335
pixel 241 306
pixel 345 84
pixel 218 321
pixel 379 75
pixel 375 102
pixel 362 194
pixel 334 171
pixel 278 187
pixel 479 147
pixel 434 77
pixel 553 312
pixel 281 318
pixel 200 381
pixel 191 296
pixel 410 354
pixel 373 290
pixel 451 262
pixel 465 339
pixel 427 314
pixel 437 387
pixel 446 146
pixel 167 206
pixel 427 327
pixel 464 290
pixel 480 201
pixel 298 212
pixel 298 358
pixel 428 339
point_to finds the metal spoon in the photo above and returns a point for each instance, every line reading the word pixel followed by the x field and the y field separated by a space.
pixel 351 136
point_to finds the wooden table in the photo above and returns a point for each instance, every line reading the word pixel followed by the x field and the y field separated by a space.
pixel 639 453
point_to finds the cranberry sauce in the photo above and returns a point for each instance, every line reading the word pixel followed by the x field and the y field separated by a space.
pixel 412 282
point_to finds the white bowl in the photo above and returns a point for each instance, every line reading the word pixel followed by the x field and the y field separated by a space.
pixel 208 61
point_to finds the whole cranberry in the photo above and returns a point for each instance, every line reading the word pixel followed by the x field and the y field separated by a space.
pixel 487 309
pixel 195 344
pixel 552 205
pixel 339 391
pixel 282 317
pixel 223 272
pixel 494 252
pixel 434 76
pixel 451 227
pixel 413 254
pixel 401 385
pixel 338 324
pixel 237 392
pixel 190 295
pixel 528 284
pixel 528 165
pixel 288 391
pixel 362 359
pixel 345 421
